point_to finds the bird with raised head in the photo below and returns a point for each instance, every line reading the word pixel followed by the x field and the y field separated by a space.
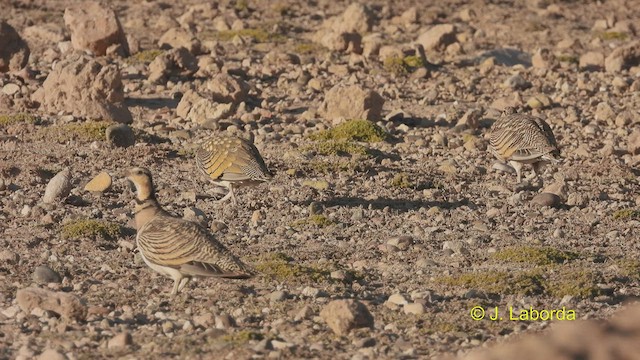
pixel 174 247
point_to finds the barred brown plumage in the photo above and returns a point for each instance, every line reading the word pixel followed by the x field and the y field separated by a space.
pixel 231 162
pixel 523 139
pixel 175 247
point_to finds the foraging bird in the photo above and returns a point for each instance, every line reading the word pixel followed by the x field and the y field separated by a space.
pixel 523 139
pixel 231 162
pixel 174 247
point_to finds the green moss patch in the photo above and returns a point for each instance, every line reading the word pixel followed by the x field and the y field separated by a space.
pixel 626 214
pixel 305 48
pixel 353 130
pixel 340 147
pixel 401 180
pixel 399 66
pixel 6 120
pixel 316 220
pixel 534 255
pixel 86 131
pixel 89 228
pixel 281 267
pixel 143 57
pixel 242 337
pixel 629 268
pixel 613 35
pixel 497 282
pixel 568 58
pixel 577 283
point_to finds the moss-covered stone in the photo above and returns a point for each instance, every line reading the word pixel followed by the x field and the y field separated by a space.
pixel 568 58
pixel 90 228
pixel 339 147
pixel 316 220
pixel 6 120
pixel 353 130
pixel 534 255
pixel 143 57
pixel 613 35
pixel 401 180
pixel 629 268
pixel 281 267
pixel 85 131
pixel 241 337
pixel 305 48
pixel 399 66
pixel 497 282
pixel 577 283
pixel 626 214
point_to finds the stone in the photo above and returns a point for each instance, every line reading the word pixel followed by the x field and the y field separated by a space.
pixel 306 312
pixel 84 87
pixel 120 135
pixel 633 142
pixel 58 187
pixel 94 28
pixel 120 340
pixel 438 37
pixel 470 119
pixel 9 257
pixel 342 316
pixel 397 299
pixel 44 275
pixel 178 37
pixel 344 32
pixel 542 59
pixel 224 321
pixel 401 242
pixel 414 308
pixel 546 200
pixel 52 354
pixel 623 57
pixel 11 89
pixel 591 61
pixel 351 102
pixel 14 52
pixel 221 98
pixel 177 62
pixel 278 296
pixel 100 183
pixel 604 112
pixel 66 305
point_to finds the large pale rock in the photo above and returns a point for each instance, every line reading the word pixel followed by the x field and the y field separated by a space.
pixel 14 52
pixel 66 305
pixel 220 99
pixel 352 102
pixel 178 37
pixel 438 37
pixel 58 187
pixel 343 316
pixel 84 87
pixel 175 62
pixel 100 183
pixel 623 57
pixel 591 61
pixel 94 28
pixel 345 31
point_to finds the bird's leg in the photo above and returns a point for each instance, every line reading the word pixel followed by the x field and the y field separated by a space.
pixel 518 168
pixel 226 197
pixel 233 196
pixel 183 283
pixel 176 285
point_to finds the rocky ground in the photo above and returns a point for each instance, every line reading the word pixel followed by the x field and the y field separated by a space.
pixel 377 236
